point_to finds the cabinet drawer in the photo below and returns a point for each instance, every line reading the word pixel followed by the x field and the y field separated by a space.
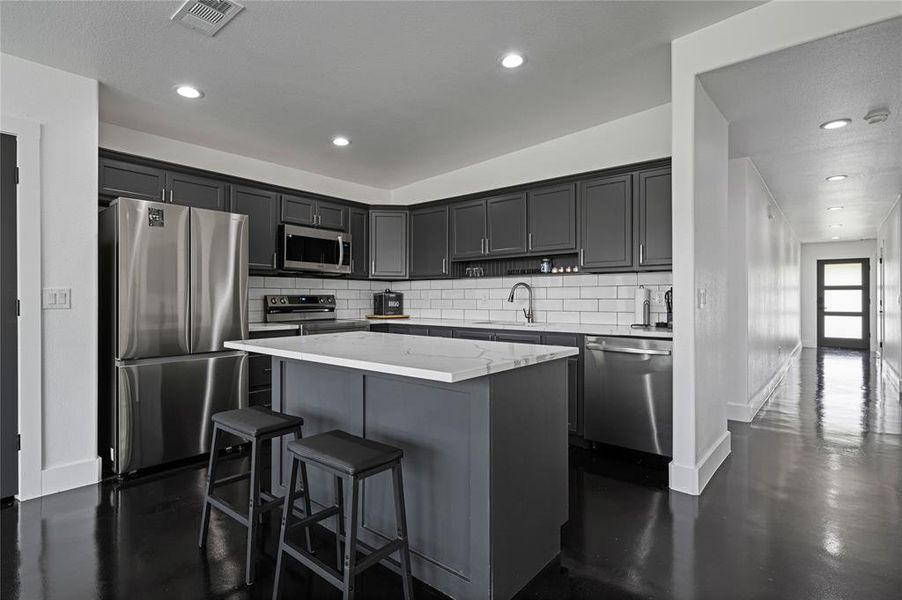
pixel 441 332
pixel 259 371
pixel 261 397
pixel 518 338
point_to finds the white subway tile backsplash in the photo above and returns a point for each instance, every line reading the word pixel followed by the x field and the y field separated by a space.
pixel 581 305
pixel 476 315
pixel 598 318
pixel 662 278
pixel 562 292
pixel 618 279
pixel 598 292
pixel 562 317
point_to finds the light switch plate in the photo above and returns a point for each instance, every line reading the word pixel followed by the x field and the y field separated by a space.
pixel 701 297
pixel 56 298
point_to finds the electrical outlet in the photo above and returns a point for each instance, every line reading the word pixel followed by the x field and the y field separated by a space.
pixel 701 295
pixel 56 298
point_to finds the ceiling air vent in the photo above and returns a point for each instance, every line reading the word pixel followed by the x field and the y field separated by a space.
pixel 207 16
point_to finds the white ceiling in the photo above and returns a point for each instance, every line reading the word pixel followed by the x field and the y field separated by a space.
pixel 776 102
pixel 415 85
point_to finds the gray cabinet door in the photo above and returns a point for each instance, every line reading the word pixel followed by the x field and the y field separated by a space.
pixel 388 244
pixel 552 218
pixel 506 224
pixel 358 227
pixel 606 231
pixel 441 332
pixel 119 178
pixel 331 216
pixel 261 208
pixel 654 222
pixel 298 210
pixel 468 229
pixel 429 242
pixel 196 192
pixel 574 379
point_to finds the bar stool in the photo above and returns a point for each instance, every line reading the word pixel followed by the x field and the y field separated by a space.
pixel 255 425
pixel 350 459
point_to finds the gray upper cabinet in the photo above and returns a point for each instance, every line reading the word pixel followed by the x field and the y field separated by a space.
pixel 606 223
pixel 358 227
pixel 552 218
pixel 654 222
pixel 298 210
pixel 506 224
pixel 388 244
pixel 301 210
pixel 331 215
pixel 119 178
pixel 429 242
pixel 262 210
pixel 197 192
pixel 468 229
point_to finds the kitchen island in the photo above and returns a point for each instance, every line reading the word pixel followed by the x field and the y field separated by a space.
pixel 483 426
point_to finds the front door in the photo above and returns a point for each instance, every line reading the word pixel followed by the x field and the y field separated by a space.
pixel 843 303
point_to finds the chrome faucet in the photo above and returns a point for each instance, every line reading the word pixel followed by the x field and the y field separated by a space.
pixel 527 312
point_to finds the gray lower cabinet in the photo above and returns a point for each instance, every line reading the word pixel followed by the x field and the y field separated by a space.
pixel 506 224
pixel 468 229
pixel 516 337
pixel 358 227
pixel 429 242
pixel 552 218
pixel 474 334
pixel 388 244
pixel 301 210
pixel 606 223
pixel 118 178
pixel 441 332
pixel 196 192
pixel 654 223
pixel 574 377
pixel 259 370
pixel 262 210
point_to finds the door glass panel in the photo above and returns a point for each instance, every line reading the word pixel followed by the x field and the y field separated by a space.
pixel 842 274
pixel 842 301
pixel 843 327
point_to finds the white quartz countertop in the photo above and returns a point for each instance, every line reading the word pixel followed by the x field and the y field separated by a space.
pixel 590 329
pixel 272 326
pixel 438 359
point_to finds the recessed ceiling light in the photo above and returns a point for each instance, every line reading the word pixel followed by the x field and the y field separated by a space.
pixel 188 91
pixel 837 177
pixel 512 60
pixel 835 237
pixel 835 226
pixel 835 124
pixel 835 208
pixel 341 141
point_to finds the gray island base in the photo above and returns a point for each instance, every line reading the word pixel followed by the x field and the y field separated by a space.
pixel 485 456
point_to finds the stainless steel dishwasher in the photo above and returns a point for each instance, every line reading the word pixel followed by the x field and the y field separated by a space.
pixel 629 393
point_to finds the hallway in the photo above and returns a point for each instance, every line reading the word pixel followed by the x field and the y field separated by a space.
pixel 808 505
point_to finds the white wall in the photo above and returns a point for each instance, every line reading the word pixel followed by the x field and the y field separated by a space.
pixel 635 138
pixel 811 253
pixel 114 137
pixel 889 239
pixel 65 106
pixel 762 30
pixel 764 298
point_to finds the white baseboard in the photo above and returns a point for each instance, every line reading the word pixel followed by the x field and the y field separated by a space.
pixel 72 475
pixel 746 412
pixel 809 343
pixel 693 479
pixel 891 375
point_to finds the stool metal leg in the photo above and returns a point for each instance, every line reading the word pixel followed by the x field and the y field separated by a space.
pixel 350 562
pixel 211 479
pixel 253 503
pixel 339 521
pixel 401 520
pixel 286 516
pixel 307 508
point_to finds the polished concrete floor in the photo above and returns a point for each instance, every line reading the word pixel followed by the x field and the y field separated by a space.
pixel 809 505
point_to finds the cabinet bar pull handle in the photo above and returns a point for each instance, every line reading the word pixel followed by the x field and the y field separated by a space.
pixel 273 260
pixel 444 269
pixel 582 257
pixel 372 267
pixel 170 196
pixel 530 241
pixel 162 194
pixel 641 254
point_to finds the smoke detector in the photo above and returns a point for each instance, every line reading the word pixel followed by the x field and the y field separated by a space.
pixel 207 16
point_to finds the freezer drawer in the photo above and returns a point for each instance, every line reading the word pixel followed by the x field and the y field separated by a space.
pixel 163 406
pixel 218 279
pixel 628 393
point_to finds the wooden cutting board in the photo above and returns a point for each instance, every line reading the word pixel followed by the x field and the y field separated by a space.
pixel 379 317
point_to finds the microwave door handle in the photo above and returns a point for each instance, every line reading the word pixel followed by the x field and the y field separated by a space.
pixel 341 252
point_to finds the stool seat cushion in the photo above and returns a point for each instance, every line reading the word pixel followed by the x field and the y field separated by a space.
pixel 257 420
pixel 344 452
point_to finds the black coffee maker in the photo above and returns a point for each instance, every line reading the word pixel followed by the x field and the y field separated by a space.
pixel 668 302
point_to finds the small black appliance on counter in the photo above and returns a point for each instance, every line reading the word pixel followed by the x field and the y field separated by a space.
pixel 388 303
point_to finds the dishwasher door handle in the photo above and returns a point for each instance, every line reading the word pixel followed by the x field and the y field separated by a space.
pixel 628 350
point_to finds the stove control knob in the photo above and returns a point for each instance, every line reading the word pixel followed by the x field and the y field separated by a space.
pixel 283 300
pixel 272 300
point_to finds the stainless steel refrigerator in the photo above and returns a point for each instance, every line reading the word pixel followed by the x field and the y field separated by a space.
pixel 173 289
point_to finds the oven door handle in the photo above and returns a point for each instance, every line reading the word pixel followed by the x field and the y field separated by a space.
pixel 628 350
pixel 341 252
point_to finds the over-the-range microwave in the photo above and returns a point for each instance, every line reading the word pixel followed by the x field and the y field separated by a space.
pixel 319 250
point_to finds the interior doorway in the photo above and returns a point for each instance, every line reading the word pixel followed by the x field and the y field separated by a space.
pixel 843 303
pixel 9 316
